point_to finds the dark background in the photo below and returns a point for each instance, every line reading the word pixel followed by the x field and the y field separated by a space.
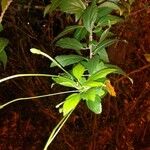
pixel 125 121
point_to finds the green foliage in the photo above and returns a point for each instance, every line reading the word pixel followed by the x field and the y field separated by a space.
pixel 89 69
pixel 3 44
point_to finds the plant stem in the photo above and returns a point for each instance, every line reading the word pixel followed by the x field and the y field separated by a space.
pixel 56 130
pixel 26 75
pixel 90 44
pixel 35 97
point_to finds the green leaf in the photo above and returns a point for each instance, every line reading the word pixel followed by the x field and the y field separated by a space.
pixel 95 106
pixel 104 72
pixel 78 71
pixel 67 30
pixel 103 11
pixel 70 103
pixel 89 95
pixel 64 81
pixel 3 44
pixel 1 27
pixel 103 55
pixel 51 7
pixel 4 4
pixel 111 5
pixel 90 84
pixel 89 17
pixel 72 6
pixel 104 35
pixel 3 58
pixel 108 20
pixel 69 43
pixel 104 44
pixel 80 33
pixel 66 60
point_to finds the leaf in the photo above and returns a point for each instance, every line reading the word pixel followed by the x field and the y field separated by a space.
pixel 67 30
pixel 3 58
pixel 104 44
pixel 147 57
pixel 103 55
pixel 89 95
pixel 78 71
pixel 89 17
pixel 1 27
pixel 70 103
pixel 93 65
pixel 95 106
pixel 111 5
pixel 64 81
pixel 104 72
pixel 4 4
pixel 3 44
pixel 66 60
pixel 104 35
pixel 110 88
pixel 80 33
pixel 90 84
pixel 72 6
pixel 108 20
pixel 51 7
pixel 69 43
pixel 103 11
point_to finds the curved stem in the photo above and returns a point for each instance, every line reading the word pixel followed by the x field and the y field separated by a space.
pixel 35 97
pixel 26 75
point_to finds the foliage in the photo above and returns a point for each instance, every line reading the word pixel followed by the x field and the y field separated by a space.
pixel 3 44
pixel 89 63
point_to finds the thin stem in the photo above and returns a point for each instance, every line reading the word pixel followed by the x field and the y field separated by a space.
pixel 37 51
pixel 35 97
pixel 26 75
pixel 57 129
pixel 90 44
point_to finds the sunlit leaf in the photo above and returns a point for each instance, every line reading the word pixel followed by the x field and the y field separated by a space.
pixel 104 72
pixel 78 71
pixel 95 106
pixel 91 84
pixel 66 60
pixel 70 103
pixel 89 95
pixel 64 81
